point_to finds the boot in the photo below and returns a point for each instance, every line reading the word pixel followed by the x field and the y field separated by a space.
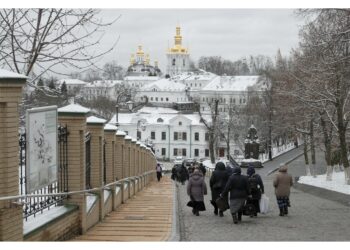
pixel 193 211
pixel 285 210
pixel 197 213
pixel 234 217
pixel 239 216
pixel 281 212
pixel 221 213
pixel 216 211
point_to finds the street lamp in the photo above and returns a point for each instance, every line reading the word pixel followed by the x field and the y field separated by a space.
pixel 116 115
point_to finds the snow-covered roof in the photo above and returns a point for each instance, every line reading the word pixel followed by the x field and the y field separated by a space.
pixel 74 108
pixel 164 85
pixel 133 140
pixel 103 83
pixel 150 115
pixel 128 137
pixel 72 82
pixel 200 75
pixel 94 119
pixel 110 127
pixel 141 78
pixel 231 83
pixel 120 132
pixel 5 74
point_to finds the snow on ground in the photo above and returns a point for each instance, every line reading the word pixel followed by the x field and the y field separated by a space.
pixel 337 184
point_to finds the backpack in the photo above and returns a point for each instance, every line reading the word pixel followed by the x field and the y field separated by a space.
pixel 253 184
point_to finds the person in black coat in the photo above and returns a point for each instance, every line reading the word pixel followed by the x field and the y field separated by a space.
pixel 217 183
pixel 238 187
pixel 202 169
pixel 183 174
pixel 256 188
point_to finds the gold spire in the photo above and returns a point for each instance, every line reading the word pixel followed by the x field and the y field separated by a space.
pixel 132 59
pixel 178 37
pixel 147 59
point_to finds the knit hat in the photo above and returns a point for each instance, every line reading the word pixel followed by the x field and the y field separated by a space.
pixel 220 166
pixel 250 170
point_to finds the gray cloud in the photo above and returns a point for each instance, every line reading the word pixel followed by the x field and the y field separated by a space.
pixel 230 33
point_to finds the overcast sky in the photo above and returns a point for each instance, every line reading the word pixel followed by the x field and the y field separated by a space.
pixel 230 33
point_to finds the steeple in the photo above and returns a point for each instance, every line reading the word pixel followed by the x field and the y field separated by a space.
pixel 178 37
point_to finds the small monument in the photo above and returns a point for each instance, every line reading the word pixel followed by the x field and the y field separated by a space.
pixel 251 149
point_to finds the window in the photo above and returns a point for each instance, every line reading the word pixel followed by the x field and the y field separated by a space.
pixel 163 151
pixel 180 123
pixel 156 99
pixel 174 62
pixel 206 136
pixel 184 152
pixel 160 120
pixel 151 98
pixel 196 136
pixel 161 99
pixel 138 135
pixel 183 62
pixel 207 153
pixel 203 99
pixel 175 136
pixel 175 151
pixel 167 99
pixel 163 136
pixel 196 152
pixel 153 135
pixel 184 136
pixel 126 132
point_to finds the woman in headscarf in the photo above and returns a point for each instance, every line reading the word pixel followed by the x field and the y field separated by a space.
pixel 217 183
pixel 196 189
pixel 282 183
pixel 238 187
pixel 256 188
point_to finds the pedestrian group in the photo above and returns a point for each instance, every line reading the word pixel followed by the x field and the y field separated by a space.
pixel 230 189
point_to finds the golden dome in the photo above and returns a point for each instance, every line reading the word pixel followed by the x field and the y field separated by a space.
pixel 140 51
pixel 178 49
pixel 132 59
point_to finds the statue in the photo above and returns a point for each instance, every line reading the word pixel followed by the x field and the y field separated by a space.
pixel 251 148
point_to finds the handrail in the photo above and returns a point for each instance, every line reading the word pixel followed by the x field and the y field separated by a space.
pixel 74 192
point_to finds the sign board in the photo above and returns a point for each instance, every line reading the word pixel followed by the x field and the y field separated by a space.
pixel 41 151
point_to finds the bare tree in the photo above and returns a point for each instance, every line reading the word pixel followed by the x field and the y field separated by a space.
pixel 37 41
pixel 113 71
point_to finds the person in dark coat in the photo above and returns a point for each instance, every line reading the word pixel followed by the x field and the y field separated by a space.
pixel 238 187
pixel 229 169
pixel 202 168
pixel 182 174
pixel 196 189
pixel 256 188
pixel 190 169
pixel 217 183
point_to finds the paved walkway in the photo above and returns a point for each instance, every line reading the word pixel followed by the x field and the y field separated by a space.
pixel 311 219
pixel 148 216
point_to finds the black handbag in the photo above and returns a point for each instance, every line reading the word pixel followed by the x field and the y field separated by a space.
pixel 222 204
pixel 248 208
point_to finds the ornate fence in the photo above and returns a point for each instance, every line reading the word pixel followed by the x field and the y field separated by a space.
pixel 34 205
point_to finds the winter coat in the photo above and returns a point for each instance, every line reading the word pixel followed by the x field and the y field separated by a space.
pixel 256 194
pixel 282 182
pixel 196 187
pixel 237 185
pixel 218 182
pixel 182 173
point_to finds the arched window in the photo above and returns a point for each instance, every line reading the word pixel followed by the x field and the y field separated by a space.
pixel 160 120
pixel 174 62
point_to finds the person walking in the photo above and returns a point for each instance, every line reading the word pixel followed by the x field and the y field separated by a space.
pixel 256 188
pixel 282 183
pixel 183 174
pixel 217 184
pixel 202 169
pixel 159 171
pixel 196 189
pixel 238 187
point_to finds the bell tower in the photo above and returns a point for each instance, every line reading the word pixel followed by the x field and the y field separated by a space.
pixel 178 58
